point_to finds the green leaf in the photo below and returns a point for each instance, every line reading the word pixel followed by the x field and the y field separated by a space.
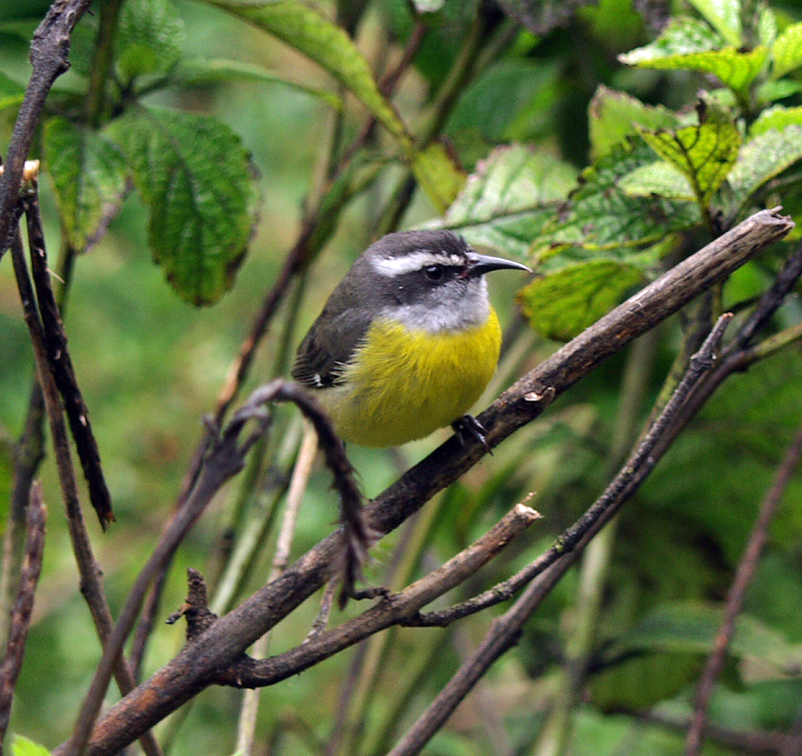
pixel 724 16
pixel 195 178
pixel 90 175
pixel 691 627
pixel 11 92
pixel 149 40
pixel 600 216
pixel 328 45
pixel 562 304
pixel 766 26
pixel 787 51
pixel 704 153
pixel 683 36
pixel 613 116
pixel 779 89
pixel 509 198
pixel 438 174
pixel 765 157
pixel 659 179
pixel 203 71
pixel 777 117
pixel 22 746
pixel 690 44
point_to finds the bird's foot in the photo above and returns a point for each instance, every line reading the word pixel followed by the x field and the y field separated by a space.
pixel 467 428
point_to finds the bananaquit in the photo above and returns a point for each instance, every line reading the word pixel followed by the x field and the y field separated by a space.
pixel 407 341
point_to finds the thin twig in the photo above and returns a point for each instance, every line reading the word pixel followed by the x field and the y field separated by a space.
pixel 60 363
pixel 49 59
pixel 504 630
pixel 246 727
pixel 357 536
pixel 88 568
pixel 224 460
pixel 23 606
pixel 737 594
pixel 636 468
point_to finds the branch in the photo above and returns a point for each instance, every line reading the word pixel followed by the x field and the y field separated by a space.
pixel 223 644
pixel 60 364
pixel 23 606
pixel 391 610
pixel 737 594
pixel 90 572
pixel 50 58
pixel 504 630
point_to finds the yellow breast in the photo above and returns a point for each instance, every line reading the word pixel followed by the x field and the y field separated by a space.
pixel 403 384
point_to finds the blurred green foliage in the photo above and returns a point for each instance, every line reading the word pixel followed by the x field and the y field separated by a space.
pixel 601 148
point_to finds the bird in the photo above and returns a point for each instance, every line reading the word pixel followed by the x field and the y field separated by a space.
pixel 407 341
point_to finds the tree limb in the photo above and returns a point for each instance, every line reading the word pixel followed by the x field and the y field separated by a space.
pixel 197 664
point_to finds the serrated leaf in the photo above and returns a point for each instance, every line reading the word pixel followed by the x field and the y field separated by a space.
pixel 691 627
pixel 203 71
pixel 562 304
pixel 149 40
pixel 704 153
pixel 787 51
pixel 777 117
pixel 763 158
pixel 690 44
pixel 329 46
pixel 509 198
pixel 683 36
pixel 11 92
pixel 613 116
pixel 22 746
pixel 766 26
pixel 659 179
pixel 724 16
pixel 773 90
pixel 601 217
pixel 89 173
pixel 195 178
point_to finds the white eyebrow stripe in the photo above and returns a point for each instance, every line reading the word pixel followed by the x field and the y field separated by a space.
pixel 397 266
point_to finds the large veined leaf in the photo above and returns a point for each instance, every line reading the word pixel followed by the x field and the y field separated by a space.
pixel 562 304
pixel 509 198
pixel 787 51
pixel 704 153
pixel 601 217
pixel 724 16
pixel 763 158
pixel 777 117
pixel 196 180
pixel 613 116
pixel 149 40
pixel 660 179
pixel 690 44
pixel 328 45
pixel 89 173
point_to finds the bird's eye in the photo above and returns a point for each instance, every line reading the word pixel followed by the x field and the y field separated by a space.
pixel 433 272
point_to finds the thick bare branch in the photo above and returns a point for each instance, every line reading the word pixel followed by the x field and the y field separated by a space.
pixel 223 644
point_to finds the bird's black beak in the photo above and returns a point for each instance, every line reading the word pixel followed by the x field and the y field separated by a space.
pixel 481 264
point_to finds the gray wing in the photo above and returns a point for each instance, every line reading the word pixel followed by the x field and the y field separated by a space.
pixel 323 354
